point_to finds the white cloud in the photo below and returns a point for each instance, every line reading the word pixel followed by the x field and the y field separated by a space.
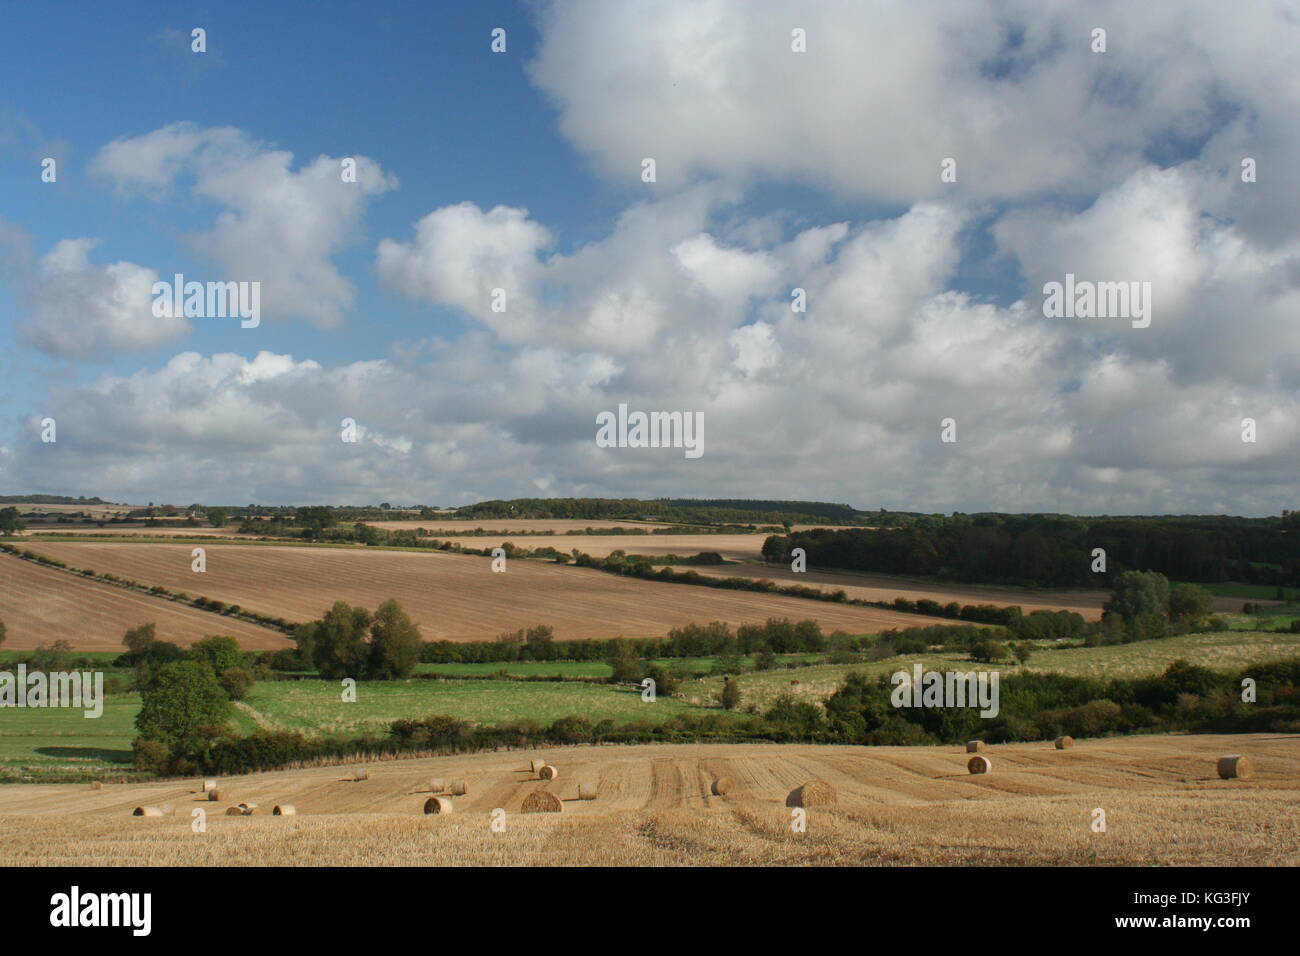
pixel 278 226
pixel 76 309
pixel 886 90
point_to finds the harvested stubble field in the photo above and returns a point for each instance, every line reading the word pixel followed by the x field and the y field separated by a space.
pixel 885 587
pixel 1164 804
pixel 734 547
pixel 442 528
pixel 451 596
pixel 40 605
pixel 129 530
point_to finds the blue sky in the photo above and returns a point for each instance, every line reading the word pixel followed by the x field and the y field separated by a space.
pixel 777 170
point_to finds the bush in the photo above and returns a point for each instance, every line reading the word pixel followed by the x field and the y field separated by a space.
pixel 150 755
pixel 729 696
pixel 236 682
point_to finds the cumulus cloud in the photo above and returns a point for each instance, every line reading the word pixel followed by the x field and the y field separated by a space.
pixel 77 309
pixel 886 90
pixel 278 226
pixel 842 402
pixel 1122 166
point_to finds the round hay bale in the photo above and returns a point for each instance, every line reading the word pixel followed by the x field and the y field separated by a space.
pixel 1236 766
pixel 437 785
pixel 147 812
pixel 541 801
pixel 1064 743
pixel 459 788
pixel 209 785
pixel 814 793
pixel 97 785
pixel 214 795
pixel 234 812
pixel 586 791
pixel 438 805
pixel 536 765
pixel 247 808
pixel 722 786
pixel 284 810
pixel 548 772
pixel 974 746
pixel 979 764
pixel 362 774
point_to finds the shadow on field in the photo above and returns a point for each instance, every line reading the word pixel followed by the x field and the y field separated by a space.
pixel 87 753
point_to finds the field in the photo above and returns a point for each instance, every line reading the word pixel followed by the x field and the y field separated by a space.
pixel 453 597
pixel 904 806
pixel 556 526
pixel 314 706
pixel 40 605
pixel 129 530
pixel 885 587
pixel 37 744
pixel 1224 651
pixel 45 743
pixel 734 547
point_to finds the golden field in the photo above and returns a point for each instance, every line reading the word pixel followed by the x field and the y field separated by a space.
pixel 896 806
pixel 450 596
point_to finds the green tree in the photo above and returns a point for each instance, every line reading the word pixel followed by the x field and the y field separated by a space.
pixel 394 643
pixel 9 522
pixel 218 517
pixel 183 696
pixel 729 696
pixel 665 680
pixel 540 641
pixel 138 638
pixel 793 717
pixel 315 519
pixel 219 653
pixel 236 682
pixel 337 642
pixel 622 659
pixel 1189 603
pixel 1137 593
pixel 989 651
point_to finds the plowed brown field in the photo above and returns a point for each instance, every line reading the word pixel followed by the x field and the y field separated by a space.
pixel 41 605
pixel 452 597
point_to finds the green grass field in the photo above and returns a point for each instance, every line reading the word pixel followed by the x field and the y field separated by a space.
pixel 315 706
pixel 521 669
pixel 1221 650
pixel 1248 592
pixel 53 745
pixel 584 668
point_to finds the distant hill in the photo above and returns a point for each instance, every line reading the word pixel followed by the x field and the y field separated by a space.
pixel 53 500
pixel 686 510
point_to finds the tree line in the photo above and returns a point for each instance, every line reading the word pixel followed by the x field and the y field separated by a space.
pixel 1054 551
